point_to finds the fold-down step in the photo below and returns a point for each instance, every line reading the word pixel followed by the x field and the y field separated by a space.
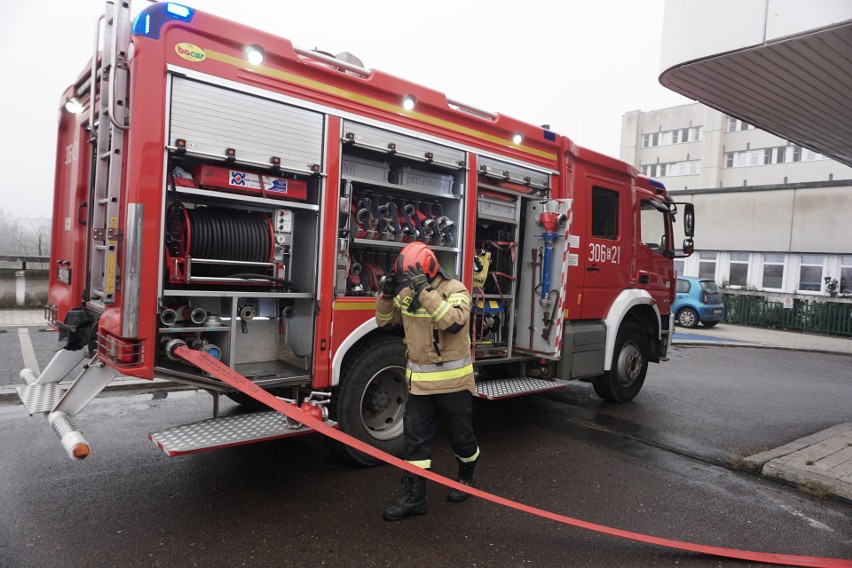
pixel 516 386
pixel 41 398
pixel 226 431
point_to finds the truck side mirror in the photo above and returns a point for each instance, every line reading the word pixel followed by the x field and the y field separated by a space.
pixel 688 249
pixel 688 221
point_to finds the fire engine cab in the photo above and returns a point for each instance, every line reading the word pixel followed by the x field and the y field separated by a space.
pixel 218 188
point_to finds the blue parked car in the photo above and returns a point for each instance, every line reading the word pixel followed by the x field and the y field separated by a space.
pixel 697 300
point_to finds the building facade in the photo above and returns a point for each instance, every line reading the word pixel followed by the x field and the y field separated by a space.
pixel 771 215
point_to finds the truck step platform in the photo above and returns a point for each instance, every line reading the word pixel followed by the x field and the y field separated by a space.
pixel 225 432
pixel 40 398
pixel 516 386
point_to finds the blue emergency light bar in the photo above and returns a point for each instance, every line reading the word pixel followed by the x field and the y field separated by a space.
pixel 151 20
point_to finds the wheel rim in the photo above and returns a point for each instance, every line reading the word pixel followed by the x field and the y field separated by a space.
pixel 383 403
pixel 687 318
pixel 629 364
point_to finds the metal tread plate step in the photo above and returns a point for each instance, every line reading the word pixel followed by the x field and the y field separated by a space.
pixel 227 431
pixel 40 398
pixel 516 386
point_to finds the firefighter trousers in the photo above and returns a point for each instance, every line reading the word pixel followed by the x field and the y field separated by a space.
pixel 423 414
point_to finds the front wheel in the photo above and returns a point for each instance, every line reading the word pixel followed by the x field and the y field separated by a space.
pixel 370 402
pixel 629 365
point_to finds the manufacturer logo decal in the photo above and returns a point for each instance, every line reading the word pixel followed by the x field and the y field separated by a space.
pixel 238 178
pixel 190 52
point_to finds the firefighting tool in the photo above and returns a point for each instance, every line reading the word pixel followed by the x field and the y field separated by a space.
pixel 548 220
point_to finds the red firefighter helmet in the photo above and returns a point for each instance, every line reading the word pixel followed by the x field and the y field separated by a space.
pixel 415 253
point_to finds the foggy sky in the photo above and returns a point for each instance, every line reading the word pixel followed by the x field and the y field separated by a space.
pixel 577 66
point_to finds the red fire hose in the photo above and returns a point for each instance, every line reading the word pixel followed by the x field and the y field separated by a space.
pixel 231 377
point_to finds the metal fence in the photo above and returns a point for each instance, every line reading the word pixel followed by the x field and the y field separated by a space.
pixel 826 317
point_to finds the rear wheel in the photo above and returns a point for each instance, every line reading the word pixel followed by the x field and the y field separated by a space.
pixel 688 317
pixel 370 402
pixel 629 365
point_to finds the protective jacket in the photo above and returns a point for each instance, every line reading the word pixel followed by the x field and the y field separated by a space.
pixel 437 335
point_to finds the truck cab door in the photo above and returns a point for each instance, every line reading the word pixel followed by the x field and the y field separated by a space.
pixel 654 251
pixel 606 253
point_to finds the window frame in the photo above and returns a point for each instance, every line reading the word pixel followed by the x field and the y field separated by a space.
pixel 820 283
pixel 845 264
pixel 739 263
pixel 715 262
pixel 765 263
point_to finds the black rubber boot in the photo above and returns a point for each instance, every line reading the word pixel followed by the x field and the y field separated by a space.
pixel 414 502
pixel 466 471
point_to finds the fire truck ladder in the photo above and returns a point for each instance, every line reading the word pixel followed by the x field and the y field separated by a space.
pixel 42 393
pixel 109 127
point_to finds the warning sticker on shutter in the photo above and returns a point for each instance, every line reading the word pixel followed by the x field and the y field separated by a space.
pixel 278 185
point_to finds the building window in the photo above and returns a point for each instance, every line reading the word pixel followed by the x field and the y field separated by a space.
pixel 846 274
pixel 810 272
pixel 773 271
pixel 694 134
pixel 688 168
pixel 738 272
pixel 678 266
pixel 604 213
pixel 796 154
pixel 651 139
pixel 735 125
pixel 669 137
pixel 766 156
pixel 707 265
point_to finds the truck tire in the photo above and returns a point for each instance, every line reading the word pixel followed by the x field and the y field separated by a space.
pixel 629 365
pixel 369 404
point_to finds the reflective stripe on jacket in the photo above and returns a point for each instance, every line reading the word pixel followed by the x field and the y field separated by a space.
pixel 437 336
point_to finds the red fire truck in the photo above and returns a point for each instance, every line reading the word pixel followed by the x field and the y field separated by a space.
pixel 219 188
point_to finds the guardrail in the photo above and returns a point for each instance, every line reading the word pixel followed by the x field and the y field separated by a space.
pixel 23 280
pixel 810 316
pixel 23 260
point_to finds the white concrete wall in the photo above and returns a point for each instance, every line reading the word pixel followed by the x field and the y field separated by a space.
pixel 695 29
pixel 806 220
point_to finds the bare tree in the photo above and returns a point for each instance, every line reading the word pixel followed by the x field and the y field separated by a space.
pixel 24 236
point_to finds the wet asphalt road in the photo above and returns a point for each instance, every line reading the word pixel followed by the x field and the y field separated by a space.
pixel 654 466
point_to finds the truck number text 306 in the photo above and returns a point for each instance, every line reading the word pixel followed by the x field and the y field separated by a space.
pixel 604 253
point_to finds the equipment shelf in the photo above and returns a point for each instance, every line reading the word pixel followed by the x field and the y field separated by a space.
pixel 397 187
pixel 220 197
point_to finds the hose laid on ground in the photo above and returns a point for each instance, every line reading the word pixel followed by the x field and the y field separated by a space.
pixel 234 379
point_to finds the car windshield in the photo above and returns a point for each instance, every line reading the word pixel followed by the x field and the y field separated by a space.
pixel 709 287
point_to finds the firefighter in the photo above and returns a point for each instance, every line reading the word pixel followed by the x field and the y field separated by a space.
pixel 434 311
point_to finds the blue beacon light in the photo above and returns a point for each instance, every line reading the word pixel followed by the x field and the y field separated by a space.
pixel 151 20
pixel 177 10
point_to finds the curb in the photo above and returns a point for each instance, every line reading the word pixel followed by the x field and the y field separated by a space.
pixel 740 343
pixel 777 463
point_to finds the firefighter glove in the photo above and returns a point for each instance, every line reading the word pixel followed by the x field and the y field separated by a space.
pixel 387 284
pixel 416 279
